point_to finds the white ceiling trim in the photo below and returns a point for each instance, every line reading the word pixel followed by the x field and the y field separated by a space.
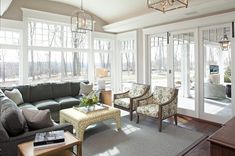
pixel 4 4
pixel 158 18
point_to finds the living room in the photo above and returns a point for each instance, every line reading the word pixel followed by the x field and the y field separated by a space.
pixel 130 56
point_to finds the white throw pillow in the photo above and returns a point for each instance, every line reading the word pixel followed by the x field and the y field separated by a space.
pixel 15 96
pixel 85 89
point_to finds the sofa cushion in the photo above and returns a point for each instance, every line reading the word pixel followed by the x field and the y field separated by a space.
pixel 67 102
pixel 15 96
pixel 75 88
pixel 40 92
pixel 12 118
pixel 61 89
pixel 24 90
pixel 1 94
pixel 37 119
pixel 47 104
pixel 27 105
pixel 3 134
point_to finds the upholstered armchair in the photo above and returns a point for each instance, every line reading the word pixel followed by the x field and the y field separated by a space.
pixel 161 104
pixel 128 100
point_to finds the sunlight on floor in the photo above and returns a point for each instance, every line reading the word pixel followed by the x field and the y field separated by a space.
pixel 128 129
pixel 110 152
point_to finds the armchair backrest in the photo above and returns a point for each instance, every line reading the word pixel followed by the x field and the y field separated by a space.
pixel 138 90
pixel 163 94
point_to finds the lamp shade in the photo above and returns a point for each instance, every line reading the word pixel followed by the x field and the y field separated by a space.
pixel 101 72
pixel 224 43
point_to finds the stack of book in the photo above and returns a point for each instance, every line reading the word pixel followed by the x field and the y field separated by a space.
pixel 49 139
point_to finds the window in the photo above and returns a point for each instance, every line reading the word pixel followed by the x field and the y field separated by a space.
pixel 128 63
pixel 44 65
pixel 102 62
pixel 75 66
pixel 54 53
pixel 9 57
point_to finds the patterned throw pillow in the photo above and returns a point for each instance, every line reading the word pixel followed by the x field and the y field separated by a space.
pixel 85 89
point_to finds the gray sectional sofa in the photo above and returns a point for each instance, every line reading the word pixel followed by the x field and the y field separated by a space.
pixel 8 143
pixel 53 96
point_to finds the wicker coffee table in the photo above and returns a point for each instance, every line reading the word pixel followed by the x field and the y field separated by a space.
pixel 81 121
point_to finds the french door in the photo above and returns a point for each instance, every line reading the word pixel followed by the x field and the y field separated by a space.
pixel 215 74
pixel 173 64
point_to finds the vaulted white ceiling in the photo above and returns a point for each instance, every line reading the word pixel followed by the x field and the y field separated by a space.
pixel 112 10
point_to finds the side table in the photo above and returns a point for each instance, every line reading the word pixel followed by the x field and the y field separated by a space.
pixel 27 149
pixel 106 97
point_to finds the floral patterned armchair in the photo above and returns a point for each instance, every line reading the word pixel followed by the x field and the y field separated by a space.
pixel 128 100
pixel 162 104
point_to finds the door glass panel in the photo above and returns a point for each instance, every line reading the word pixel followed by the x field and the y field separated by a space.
pixel 159 61
pixel 128 64
pixel 217 74
pixel 184 69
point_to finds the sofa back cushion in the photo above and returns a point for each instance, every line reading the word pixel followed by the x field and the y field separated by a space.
pixel 40 92
pixel 75 87
pixel 61 89
pixel 3 133
pixel 24 90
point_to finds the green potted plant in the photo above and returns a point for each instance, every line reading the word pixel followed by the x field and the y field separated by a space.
pixel 88 101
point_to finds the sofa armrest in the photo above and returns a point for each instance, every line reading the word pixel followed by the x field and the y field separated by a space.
pixel 10 147
pixel 31 134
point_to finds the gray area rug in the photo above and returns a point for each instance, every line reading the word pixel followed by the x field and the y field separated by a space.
pixel 141 139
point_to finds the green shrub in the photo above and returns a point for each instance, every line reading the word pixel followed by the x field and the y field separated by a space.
pixel 227 75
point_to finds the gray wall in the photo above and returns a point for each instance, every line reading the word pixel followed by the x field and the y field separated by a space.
pixel 14 11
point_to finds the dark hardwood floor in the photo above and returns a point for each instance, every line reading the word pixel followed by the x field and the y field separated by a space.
pixel 202 149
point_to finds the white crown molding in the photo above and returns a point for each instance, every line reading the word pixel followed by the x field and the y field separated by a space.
pixel 7 24
pixel 194 23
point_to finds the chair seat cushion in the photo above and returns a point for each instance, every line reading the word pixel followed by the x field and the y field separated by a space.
pixel 150 110
pixel 123 102
pixel 67 102
pixel 47 104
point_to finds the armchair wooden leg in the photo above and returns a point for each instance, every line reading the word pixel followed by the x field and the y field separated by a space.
pixel 160 125
pixel 175 117
pixel 138 118
pixel 131 115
